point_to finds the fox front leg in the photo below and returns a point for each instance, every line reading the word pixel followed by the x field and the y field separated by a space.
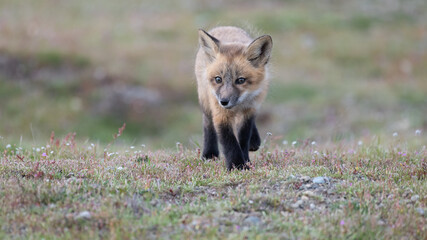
pixel 210 147
pixel 234 157
pixel 255 141
pixel 245 136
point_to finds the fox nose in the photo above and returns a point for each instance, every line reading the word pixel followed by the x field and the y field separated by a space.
pixel 224 102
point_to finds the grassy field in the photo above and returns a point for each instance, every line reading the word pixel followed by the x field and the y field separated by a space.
pixel 340 70
pixel 344 126
pixel 375 189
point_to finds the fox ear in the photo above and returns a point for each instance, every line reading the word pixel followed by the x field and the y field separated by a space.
pixel 209 44
pixel 258 52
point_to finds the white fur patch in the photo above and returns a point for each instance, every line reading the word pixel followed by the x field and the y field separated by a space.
pixel 247 97
pixel 214 93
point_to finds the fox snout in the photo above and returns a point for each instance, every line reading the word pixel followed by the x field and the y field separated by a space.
pixel 227 102
pixel 224 102
pixel 227 97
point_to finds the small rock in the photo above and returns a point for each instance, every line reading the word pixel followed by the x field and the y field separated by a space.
pixel 153 202
pixel 309 194
pixel 304 198
pixel 319 180
pixel 252 220
pixel 83 215
pixel 305 178
pixel 415 198
pixel 298 204
pixel 312 206
pixel 420 211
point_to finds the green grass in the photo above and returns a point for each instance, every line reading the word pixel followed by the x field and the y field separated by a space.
pixel 376 190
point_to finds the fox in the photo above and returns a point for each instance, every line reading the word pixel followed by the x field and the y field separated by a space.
pixel 231 69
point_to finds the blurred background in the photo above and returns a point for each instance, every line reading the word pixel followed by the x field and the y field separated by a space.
pixel 340 69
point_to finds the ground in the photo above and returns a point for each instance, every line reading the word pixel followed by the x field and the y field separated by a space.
pixel 375 189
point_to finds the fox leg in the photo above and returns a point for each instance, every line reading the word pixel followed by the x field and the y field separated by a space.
pixel 234 157
pixel 255 141
pixel 210 147
pixel 245 136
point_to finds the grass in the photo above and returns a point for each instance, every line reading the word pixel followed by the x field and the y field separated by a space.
pixel 64 189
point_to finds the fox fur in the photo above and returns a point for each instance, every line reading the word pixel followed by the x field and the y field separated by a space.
pixel 231 72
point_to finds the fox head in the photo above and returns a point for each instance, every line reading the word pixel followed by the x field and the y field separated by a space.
pixel 236 71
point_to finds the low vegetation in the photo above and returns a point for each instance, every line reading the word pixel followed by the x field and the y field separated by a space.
pixel 370 189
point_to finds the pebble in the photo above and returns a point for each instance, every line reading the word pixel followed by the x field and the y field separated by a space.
pixel 415 198
pixel 252 220
pixel 309 194
pixel 420 211
pixel 153 202
pixel 297 204
pixel 319 180
pixel 312 206
pixel 83 215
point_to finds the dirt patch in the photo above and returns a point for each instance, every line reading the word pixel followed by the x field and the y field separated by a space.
pixel 249 202
pixel 296 193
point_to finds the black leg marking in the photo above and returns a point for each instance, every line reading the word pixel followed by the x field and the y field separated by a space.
pixel 210 147
pixel 245 133
pixel 255 141
pixel 233 153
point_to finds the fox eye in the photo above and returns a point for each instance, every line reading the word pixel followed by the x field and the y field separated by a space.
pixel 218 79
pixel 240 80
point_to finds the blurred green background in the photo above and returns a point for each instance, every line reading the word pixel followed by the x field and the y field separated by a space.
pixel 340 69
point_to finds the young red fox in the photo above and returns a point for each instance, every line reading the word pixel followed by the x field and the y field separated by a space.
pixel 231 81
